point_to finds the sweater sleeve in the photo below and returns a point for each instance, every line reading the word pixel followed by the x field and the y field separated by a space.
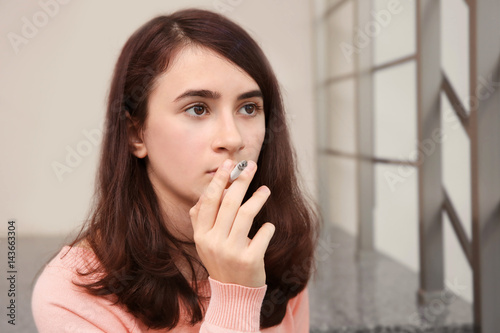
pixel 60 306
pixel 233 308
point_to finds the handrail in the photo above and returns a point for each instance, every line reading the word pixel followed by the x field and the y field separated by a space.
pixel 457 227
pixel 394 62
pixel 455 103
pixel 333 8
pixel 334 152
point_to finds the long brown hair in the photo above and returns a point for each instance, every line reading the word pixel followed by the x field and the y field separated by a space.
pixel 125 228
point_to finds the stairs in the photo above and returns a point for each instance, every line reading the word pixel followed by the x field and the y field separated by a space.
pixel 376 294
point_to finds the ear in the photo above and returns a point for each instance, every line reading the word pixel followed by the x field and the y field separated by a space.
pixel 135 138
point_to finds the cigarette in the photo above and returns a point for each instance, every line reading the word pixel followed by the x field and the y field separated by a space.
pixel 238 169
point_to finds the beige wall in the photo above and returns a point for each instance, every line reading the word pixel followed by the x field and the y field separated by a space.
pixel 53 90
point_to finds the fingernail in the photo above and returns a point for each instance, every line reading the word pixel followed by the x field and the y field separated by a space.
pixel 251 166
pixel 227 164
pixel 264 189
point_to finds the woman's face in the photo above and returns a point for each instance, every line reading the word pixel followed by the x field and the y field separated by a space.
pixel 202 111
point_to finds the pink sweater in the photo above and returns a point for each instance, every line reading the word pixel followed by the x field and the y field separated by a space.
pixel 60 306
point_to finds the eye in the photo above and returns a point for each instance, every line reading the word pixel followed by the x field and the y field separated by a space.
pixel 197 110
pixel 251 109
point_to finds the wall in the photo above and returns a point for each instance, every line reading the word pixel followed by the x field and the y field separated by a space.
pixel 53 90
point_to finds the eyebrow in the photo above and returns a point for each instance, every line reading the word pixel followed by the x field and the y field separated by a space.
pixel 215 95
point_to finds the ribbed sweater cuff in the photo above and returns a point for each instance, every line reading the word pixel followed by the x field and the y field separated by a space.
pixel 235 307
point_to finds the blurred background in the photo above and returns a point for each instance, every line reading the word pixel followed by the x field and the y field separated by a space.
pixel 393 109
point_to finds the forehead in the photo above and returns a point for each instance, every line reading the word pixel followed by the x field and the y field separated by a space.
pixel 200 67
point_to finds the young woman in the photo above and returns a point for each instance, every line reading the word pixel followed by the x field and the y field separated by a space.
pixel 171 244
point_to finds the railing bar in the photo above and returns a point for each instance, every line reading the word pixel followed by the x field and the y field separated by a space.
pixel 455 103
pixel 395 62
pixel 392 161
pixel 430 196
pixel 391 63
pixel 343 77
pixel 473 108
pixel 457 227
pixel 484 120
pixel 334 152
pixel 333 8
pixel 364 129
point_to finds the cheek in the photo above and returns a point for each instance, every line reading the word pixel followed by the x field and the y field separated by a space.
pixel 260 137
pixel 255 141
pixel 172 140
pixel 261 133
pixel 160 139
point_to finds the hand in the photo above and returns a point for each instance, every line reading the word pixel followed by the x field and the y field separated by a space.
pixel 221 226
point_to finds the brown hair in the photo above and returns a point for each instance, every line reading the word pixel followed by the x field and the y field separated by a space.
pixel 125 228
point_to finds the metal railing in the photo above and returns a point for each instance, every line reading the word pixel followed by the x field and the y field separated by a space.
pixel 482 126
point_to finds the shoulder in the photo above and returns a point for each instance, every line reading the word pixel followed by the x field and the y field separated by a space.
pixel 298 312
pixel 55 287
pixel 65 267
pixel 300 301
pixel 58 302
pixel 296 317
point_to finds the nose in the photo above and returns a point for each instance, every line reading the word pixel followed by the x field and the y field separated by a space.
pixel 227 134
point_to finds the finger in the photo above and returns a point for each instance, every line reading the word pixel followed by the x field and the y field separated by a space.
pixel 209 202
pixel 261 240
pixel 193 212
pixel 246 214
pixel 233 198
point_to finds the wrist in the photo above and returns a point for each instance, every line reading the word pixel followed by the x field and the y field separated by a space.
pixel 234 306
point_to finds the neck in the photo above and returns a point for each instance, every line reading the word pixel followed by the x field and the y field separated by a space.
pixel 178 223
